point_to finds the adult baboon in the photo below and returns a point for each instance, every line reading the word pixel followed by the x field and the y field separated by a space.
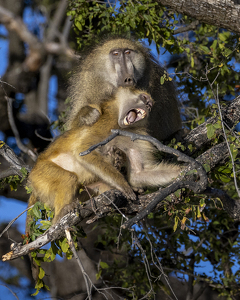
pixel 122 62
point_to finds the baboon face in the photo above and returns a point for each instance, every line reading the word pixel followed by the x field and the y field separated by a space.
pixel 135 106
pixel 125 64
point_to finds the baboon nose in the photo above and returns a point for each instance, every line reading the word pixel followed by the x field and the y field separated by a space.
pixel 129 81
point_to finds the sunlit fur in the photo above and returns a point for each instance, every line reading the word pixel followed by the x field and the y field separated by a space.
pixel 97 77
pixel 60 171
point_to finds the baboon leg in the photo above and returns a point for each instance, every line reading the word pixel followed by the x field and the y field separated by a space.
pixel 55 185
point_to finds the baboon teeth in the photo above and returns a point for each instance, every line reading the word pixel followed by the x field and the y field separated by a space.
pixel 141 113
pixel 134 115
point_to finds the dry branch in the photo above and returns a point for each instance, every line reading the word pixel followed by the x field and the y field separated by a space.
pixel 146 203
pixel 16 163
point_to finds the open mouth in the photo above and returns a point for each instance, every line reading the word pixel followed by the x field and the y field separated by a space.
pixel 134 115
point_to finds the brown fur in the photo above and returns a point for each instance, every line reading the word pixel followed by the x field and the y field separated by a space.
pixel 97 79
pixel 60 171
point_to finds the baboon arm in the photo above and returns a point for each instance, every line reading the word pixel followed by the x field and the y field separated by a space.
pixel 95 163
pixel 87 115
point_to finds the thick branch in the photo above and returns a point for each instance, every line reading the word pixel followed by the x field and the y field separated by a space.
pixel 230 113
pixel 224 14
pixel 16 163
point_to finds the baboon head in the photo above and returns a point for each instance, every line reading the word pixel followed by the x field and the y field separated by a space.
pixel 122 61
pixel 134 107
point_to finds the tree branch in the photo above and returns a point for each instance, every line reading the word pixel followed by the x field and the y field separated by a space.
pixel 16 163
pixel 191 26
pixel 223 14
pixel 20 145
pixel 37 49
pixel 230 115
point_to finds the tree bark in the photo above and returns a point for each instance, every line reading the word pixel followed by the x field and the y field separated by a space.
pixel 221 13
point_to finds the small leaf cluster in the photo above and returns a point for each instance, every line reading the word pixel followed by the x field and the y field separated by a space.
pixel 14 181
pixel 40 220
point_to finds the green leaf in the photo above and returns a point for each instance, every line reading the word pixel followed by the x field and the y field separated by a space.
pixel 224 178
pixel 207 167
pixel 41 273
pixel 104 265
pixel 175 224
pixel 45 224
pixel 234 151
pixel 24 172
pixel 98 275
pixel 64 245
pixel 204 49
pixel 192 62
pixel 38 286
pixel 202 202
pixel 78 25
pixel 214 44
pixel 210 131
pixel 36 211
pixel 162 79
pixel 222 37
pixel 198 212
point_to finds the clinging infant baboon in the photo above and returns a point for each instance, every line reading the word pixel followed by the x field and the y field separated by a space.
pixel 122 62
pixel 60 170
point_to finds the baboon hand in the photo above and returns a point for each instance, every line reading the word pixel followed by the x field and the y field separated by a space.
pixel 129 193
pixel 119 157
pixel 71 207
pixel 88 116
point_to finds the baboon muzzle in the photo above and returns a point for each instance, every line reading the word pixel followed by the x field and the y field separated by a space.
pixel 129 81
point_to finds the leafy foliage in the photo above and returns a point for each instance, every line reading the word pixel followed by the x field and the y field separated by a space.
pixel 40 220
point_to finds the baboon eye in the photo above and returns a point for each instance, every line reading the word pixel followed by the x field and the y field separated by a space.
pixel 115 53
pixel 127 52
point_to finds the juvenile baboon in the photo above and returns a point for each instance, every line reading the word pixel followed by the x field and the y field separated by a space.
pixel 60 170
pixel 122 62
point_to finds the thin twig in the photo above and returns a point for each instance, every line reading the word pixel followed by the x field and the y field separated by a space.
pixel 159 266
pixel 223 127
pixel 42 137
pixel 14 294
pixel 88 281
pixel 20 145
pixel 146 264
pixel 10 223
pixel 125 217
pixel 72 247
pixel 225 137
